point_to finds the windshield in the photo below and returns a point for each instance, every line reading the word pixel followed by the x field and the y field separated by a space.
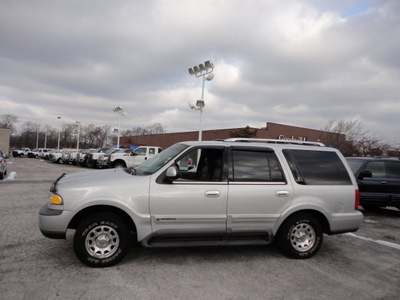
pixel 152 165
pixel 355 164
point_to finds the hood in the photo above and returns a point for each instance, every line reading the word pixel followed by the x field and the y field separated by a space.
pixel 98 178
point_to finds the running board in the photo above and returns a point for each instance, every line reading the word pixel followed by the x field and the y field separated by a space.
pixel 212 240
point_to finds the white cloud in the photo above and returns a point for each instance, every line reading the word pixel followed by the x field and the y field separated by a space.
pixel 300 62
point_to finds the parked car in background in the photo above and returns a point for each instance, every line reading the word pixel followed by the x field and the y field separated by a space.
pixel 21 152
pixel 234 192
pixel 37 152
pixel 378 179
pixel 93 156
pixel 82 157
pixel 72 158
pixel 56 156
pixel 133 158
pixel 104 159
pixel 3 164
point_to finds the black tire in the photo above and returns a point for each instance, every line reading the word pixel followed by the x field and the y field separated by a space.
pixel 1 176
pixel 101 240
pixel 300 236
pixel 119 165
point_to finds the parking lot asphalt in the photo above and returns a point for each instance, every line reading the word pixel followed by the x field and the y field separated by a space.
pixel 360 265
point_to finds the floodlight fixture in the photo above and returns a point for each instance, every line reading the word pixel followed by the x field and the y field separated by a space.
pixel 202 70
pixel 117 109
pixel 210 77
pixel 209 64
pixel 200 103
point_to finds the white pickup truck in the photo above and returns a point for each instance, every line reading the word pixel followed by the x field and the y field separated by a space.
pixel 133 158
pixel 21 152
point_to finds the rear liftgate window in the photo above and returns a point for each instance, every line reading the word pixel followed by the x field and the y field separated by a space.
pixel 317 167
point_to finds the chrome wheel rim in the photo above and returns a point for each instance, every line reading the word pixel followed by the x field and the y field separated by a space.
pixel 102 241
pixel 302 237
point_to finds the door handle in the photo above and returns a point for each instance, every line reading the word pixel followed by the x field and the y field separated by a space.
pixel 383 182
pixel 282 193
pixel 212 194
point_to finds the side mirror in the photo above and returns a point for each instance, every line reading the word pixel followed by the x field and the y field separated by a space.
pixel 172 174
pixel 364 174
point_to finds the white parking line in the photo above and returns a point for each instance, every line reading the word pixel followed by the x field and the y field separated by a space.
pixel 384 243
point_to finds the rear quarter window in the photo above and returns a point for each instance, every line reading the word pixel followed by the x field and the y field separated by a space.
pixel 317 167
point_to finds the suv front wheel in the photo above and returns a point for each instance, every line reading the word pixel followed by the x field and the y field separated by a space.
pixel 300 236
pixel 101 240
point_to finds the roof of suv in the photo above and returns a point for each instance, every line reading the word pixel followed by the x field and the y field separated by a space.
pixel 374 158
pixel 259 142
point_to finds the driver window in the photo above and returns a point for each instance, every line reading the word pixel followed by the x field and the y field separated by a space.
pixel 140 151
pixel 201 165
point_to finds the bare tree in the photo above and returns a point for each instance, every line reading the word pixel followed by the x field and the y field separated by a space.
pixel 156 128
pixel 8 121
pixel 244 132
pixel 350 137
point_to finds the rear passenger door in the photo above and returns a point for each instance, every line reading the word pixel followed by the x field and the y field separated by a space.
pixel 393 181
pixel 258 191
pixel 375 184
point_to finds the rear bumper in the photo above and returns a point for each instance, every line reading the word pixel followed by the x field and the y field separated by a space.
pixel 345 222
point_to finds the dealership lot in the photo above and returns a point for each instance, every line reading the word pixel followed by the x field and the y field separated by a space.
pixel 360 265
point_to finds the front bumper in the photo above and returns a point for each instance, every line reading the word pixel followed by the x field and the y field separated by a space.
pixel 53 223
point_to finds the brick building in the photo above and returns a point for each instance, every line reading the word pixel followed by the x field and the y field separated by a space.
pixel 5 140
pixel 271 131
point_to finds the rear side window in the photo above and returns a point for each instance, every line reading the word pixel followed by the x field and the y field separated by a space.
pixel 256 166
pixel 394 169
pixel 377 169
pixel 317 167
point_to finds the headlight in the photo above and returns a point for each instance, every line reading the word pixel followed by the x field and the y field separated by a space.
pixel 56 199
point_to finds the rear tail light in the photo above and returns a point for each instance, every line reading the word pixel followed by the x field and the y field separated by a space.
pixel 357 203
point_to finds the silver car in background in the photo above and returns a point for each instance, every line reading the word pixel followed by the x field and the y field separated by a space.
pixel 3 165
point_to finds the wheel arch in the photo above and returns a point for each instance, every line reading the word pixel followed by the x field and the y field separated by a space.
pixel 119 161
pixel 80 216
pixel 322 219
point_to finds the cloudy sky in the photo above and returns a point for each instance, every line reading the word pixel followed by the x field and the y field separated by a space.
pixel 296 62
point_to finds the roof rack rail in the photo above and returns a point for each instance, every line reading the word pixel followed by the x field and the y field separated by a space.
pixel 274 141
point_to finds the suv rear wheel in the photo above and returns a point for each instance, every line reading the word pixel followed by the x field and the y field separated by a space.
pixel 101 240
pixel 300 236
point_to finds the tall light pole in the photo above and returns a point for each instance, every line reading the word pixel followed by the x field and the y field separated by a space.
pixel 59 135
pixel 79 131
pixel 201 71
pixel 120 111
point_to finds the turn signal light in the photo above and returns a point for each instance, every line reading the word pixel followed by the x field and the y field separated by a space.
pixel 55 199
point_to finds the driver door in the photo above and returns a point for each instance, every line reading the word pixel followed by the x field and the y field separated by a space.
pixel 196 201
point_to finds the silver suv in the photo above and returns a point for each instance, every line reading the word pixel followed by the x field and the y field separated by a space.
pixel 232 192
